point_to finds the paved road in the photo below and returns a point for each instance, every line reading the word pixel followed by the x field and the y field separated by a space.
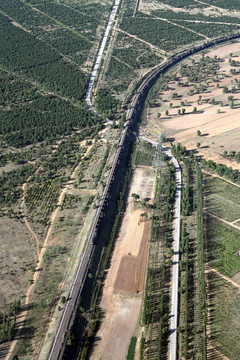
pixel 174 300
pixel 100 54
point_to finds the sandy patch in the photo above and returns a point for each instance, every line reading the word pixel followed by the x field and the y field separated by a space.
pixel 236 278
pixel 131 271
pixel 120 302
pixel 218 122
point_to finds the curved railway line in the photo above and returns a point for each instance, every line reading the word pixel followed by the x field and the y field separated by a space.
pixel 80 276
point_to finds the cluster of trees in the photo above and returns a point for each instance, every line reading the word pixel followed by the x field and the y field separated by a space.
pixel 184 15
pixel 221 170
pixel 149 30
pixel 170 193
pixel 131 348
pixel 186 191
pixel 43 198
pixel 106 103
pixel 155 311
pixel 45 117
pixel 38 22
pixel 102 165
pixel 43 64
pixel 212 29
pixel 129 51
pixel 69 200
pixel 15 91
pixel 184 289
pixel 8 321
pixel 10 182
pixel 230 4
pixel 198 72
pixel 192 276
pixel 201 301
pixel 232 155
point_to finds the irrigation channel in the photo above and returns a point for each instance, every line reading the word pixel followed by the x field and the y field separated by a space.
pixel 175 268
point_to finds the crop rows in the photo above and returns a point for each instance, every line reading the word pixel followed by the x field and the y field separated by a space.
pixel 43 198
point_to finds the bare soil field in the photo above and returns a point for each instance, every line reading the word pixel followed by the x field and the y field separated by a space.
pixel 18 256
pixel 216 119
pixel 121 299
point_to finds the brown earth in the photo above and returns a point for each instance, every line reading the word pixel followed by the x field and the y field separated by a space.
pixel 134 267
pixel 219 125
pixel 120 301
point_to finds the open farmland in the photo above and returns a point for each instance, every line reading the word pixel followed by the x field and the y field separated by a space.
pixel 222 199
pixel 223 318
pixel 148 31
pixel 198 105
pixel 55 156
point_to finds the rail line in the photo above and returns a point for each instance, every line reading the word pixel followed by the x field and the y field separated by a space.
pixel 80 276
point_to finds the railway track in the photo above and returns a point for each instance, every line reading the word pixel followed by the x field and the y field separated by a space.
pixel 80 276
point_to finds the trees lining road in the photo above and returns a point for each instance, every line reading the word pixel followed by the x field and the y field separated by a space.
pixel 175 268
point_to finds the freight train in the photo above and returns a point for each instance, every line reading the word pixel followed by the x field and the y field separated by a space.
pixel 137 99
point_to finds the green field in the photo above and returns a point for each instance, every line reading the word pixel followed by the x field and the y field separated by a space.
pixel 224 316
pixel 223 243
pixel 222 198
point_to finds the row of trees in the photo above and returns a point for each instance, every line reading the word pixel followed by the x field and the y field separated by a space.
pixel 100 272
pixel 193 314
pixel 8 321
pixel 149 30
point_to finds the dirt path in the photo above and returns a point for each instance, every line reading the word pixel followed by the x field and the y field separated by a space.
pixel 209 268
pixel 224 221
pixel 121 296
pixel 24 215
pixel 220 177
pixel 22 317
pixel 157 49
pixel 181 26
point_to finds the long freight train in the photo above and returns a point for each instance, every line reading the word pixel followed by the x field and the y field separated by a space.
pixel 138 97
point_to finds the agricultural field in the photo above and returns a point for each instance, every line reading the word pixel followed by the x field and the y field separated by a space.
pixel 55 156
pixel 222 198
pixel 185 106
pixel 223 318
pixel 136 45
pixel 59 214
pixel 223 247
pixel 197 105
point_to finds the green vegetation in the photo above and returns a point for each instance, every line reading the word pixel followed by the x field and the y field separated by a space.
pixel 144 154
pixel 222 198
pixel 131 348
pixel 105 103
pixel 97 280
pixel 155 311
pixel 223 245
pixel 149 30
pixel 211 30
pixel 224 312
pixel 127 58
pixel 8 321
